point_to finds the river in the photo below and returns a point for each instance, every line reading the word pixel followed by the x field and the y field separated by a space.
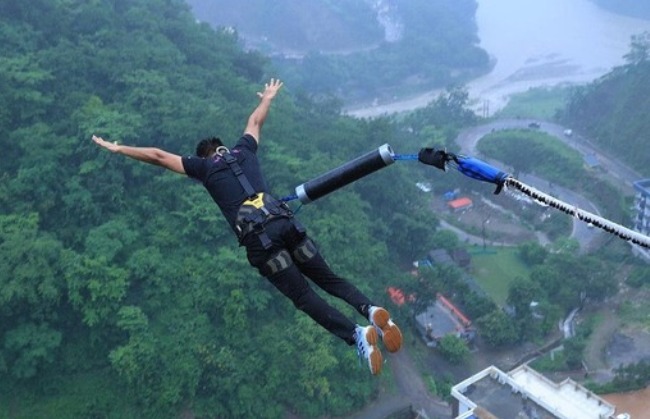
pixel 536 43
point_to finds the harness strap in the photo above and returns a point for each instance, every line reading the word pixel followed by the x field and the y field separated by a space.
pixel 258 209
pixel 239 173
pixel 277 263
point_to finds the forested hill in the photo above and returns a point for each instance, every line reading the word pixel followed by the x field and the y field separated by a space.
pixel 613 110
pixel 361 50
pixel 122 291
pixel 295 25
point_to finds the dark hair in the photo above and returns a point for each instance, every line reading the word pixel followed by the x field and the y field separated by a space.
pixel 207 146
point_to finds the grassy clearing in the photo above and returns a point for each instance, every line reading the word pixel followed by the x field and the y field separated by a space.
pixel 538 103
pixel 495 269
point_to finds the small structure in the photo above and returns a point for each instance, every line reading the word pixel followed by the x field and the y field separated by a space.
pixel 443 318
pixel 460 204
pixel 458 257
pixel 461 257
pixel 525 393
pixel 440 257
pixel 397 296
pixel 451 195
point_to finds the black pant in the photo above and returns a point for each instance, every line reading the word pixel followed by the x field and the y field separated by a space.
pixel 292 283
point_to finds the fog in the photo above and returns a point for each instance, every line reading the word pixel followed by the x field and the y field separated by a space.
pixel 549 42
pixel 533 43
pixel 537 43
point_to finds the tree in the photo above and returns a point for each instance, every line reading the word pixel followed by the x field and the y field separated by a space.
pixel 639 49
pixel 532 253
pixel 532 314
pixel 28 347
pixel 454 349
pixel 497 329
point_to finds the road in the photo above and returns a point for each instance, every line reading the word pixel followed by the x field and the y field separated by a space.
pixel 587 237
pixel 412 391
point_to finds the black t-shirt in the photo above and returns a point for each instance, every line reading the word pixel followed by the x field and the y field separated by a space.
pixel 221 182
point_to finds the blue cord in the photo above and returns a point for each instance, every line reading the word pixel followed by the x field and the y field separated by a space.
pixel 289 198
pixel 405 157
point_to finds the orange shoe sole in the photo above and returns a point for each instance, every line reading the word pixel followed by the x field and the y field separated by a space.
pixel 390 333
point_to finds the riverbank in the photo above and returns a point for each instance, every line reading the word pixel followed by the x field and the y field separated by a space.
pixel 581 42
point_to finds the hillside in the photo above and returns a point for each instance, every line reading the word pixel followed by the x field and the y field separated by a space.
pixel 359 50
pixel 294 25
pixel 122 291
pixel 613 110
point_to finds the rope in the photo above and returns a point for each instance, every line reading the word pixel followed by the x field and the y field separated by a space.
pixel 593 219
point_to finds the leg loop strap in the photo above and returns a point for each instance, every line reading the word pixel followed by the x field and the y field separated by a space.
pixel 305 251
pixel 278 263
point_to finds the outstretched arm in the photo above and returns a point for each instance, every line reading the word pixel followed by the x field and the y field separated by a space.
pixel 149 155
pixel 257 118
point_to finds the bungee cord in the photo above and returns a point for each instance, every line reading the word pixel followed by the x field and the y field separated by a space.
pixel 469 166
pixel 480 170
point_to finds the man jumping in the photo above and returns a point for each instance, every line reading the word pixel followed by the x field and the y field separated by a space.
pixel 276 243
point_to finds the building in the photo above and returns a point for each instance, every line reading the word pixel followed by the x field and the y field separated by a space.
pixel 525 393
pixel 443 318
pixel 461 257
pixel 460 204
pixel 440 257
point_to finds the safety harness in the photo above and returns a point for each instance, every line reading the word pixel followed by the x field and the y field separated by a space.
pixel 258 209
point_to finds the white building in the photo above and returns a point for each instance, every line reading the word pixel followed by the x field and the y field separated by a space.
pixel 525 393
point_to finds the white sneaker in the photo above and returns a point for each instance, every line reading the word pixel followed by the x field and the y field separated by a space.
pixel 366 338
pixel 389 332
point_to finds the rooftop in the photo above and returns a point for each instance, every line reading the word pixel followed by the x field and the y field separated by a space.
pixel 525 392
pixel 460 203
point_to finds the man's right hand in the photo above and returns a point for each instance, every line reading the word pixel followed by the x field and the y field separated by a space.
pixel 113 147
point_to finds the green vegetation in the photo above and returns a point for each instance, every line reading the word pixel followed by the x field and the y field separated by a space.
pixel 552 361
pixel 628 378
pixel 545 155
pixel 453 349
pixel 122 277
pixel 635 312
pixel 497 269
pixel 612 111
pixel 551 159
pixel 438 47
pixel 538 103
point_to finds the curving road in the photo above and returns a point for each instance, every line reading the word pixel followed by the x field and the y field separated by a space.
pixel 587 237
pixel 412 391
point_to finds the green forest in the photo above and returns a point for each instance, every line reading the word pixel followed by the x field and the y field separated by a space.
pixel 124 294
pixel 612 111
pixel 122 291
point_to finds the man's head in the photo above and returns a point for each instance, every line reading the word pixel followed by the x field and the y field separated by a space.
pixel 207 146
